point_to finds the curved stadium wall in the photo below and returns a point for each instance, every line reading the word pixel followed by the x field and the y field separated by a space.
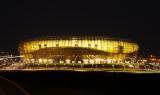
pixel 85 50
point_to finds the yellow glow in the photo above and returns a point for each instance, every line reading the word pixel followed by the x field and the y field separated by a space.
pixel 103 45
pixel 109 60
pixel 117 50
pixel 68 61
pixel 85 61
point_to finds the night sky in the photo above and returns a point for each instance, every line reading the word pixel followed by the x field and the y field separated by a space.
pixel 134 20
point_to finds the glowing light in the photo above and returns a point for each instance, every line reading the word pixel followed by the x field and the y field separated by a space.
pixel 79 61
pixel 40 60
pixel 45 61
pixel 91 61
pixel 97 60
pixel 73 61
pixel 85 61
pixel 61 61
pixel 68 61
pixel 107 46
pixel 113 50
pixel 109 60
pixel 131 66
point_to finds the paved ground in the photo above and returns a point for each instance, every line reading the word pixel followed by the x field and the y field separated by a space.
pixel 80 83
pixel 21 67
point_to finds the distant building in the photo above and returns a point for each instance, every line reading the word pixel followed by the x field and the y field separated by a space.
pixel 84 50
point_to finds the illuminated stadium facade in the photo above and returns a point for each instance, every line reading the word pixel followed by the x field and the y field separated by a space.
pixel 70 50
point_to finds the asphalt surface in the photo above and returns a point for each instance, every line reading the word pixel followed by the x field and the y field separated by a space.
pixel 79 83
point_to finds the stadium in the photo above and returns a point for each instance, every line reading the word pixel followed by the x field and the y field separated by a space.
pixel 77 50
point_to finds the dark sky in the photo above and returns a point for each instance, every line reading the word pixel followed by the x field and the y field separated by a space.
pixel 130 19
